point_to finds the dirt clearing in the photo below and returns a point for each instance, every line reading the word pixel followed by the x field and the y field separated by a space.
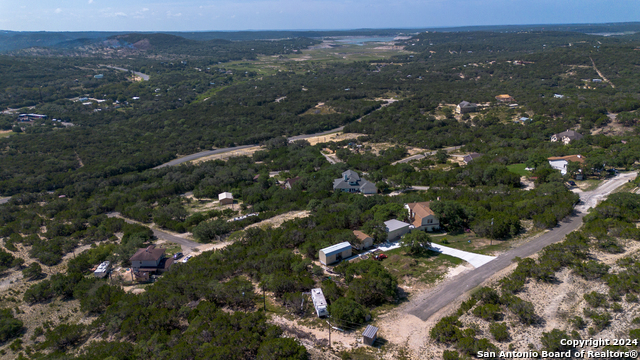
pixel 276 221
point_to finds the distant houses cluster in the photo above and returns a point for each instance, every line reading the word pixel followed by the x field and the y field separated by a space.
pixel 420 216
pixel 352 183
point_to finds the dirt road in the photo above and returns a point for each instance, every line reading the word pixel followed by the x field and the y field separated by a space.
pixel 422 156
pixel 426 305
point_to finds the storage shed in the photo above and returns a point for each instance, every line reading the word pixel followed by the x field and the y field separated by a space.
pixel 396 228
pixel 370 335
pixel 363 241
pixel 335 253
pixel 225 198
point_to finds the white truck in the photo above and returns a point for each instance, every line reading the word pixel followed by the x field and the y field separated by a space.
pixel 319 302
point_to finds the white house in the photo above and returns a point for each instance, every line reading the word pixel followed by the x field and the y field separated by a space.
pixel 561 162
pixel 225 198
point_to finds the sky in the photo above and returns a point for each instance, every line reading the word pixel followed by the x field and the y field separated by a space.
pixel 201 15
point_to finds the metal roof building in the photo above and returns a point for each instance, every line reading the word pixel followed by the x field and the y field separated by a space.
pixel 396 228
pixel 225 198
pixel 370 335
pixel 335 253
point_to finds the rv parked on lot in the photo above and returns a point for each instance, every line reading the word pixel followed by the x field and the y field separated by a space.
pixel 319 302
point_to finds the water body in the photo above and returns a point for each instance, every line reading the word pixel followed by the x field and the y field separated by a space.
pixel 362 40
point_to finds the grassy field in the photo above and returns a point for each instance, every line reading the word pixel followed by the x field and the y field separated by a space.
pixel 588 185
pixel 519 169
pixel 470 242
pixel 4 134
pixel 426 268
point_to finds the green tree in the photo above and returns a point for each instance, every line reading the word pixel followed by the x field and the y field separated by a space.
pixel 33 271
pixel 347 312
pixel 10 327
pixel 282 349
pixel 416 242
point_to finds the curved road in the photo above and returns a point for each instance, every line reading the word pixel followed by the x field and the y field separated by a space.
pixel 4 200
pixel 224 150
pixel 426 305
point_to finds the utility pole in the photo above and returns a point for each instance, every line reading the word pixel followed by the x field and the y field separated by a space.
pixel 264 299
pixel 329 334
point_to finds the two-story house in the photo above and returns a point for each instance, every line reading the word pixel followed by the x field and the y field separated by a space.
pixel 150 259
pixel 351 182
pixel 422 217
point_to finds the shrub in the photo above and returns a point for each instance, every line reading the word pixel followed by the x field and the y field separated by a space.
pixel 631 298
pixel 10 327
pixel 346 311
pixel 551 341
pixel 578 322
pixel 450 355
pixel 447 330
pixel 33 271
pixel 596 300
pixel 488 312
pixel 487 295
pixel 282 348
pixel 499 331
pixel 524 310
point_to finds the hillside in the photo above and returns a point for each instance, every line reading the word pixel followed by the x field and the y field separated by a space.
pixel 212 172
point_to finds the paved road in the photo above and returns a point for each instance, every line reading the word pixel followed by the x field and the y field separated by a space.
pixel 144 77
pixel 187 245
pixel 4 200
pixel 428 304
pixel 202 154
pixel 219 151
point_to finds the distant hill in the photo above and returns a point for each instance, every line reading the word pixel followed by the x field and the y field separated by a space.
pixel 12 40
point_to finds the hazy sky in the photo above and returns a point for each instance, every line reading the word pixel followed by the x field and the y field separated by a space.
pixel 184 15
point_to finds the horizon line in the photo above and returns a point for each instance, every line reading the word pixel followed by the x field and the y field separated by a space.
pixel 322 30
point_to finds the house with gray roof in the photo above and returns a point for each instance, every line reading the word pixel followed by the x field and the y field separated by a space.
pixel 351 182
pixel 566 136
pixel 466 107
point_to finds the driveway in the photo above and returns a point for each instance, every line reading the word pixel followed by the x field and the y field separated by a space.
pixel 476 260
pixel 427 304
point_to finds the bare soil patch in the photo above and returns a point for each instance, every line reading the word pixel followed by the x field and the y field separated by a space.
pixel 278 220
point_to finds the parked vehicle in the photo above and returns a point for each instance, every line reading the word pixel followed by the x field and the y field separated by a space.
pixel 186 258
pixel 572 183
pixel 380 257
pixel 319 302
pixel 177 255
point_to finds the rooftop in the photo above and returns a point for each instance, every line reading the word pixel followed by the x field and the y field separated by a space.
pixel 150 253
pixel 393 225
pixel 336 248
pixel 225 195
pixel 574 158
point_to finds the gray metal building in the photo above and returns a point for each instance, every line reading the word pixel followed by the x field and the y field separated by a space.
pixel 335 253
